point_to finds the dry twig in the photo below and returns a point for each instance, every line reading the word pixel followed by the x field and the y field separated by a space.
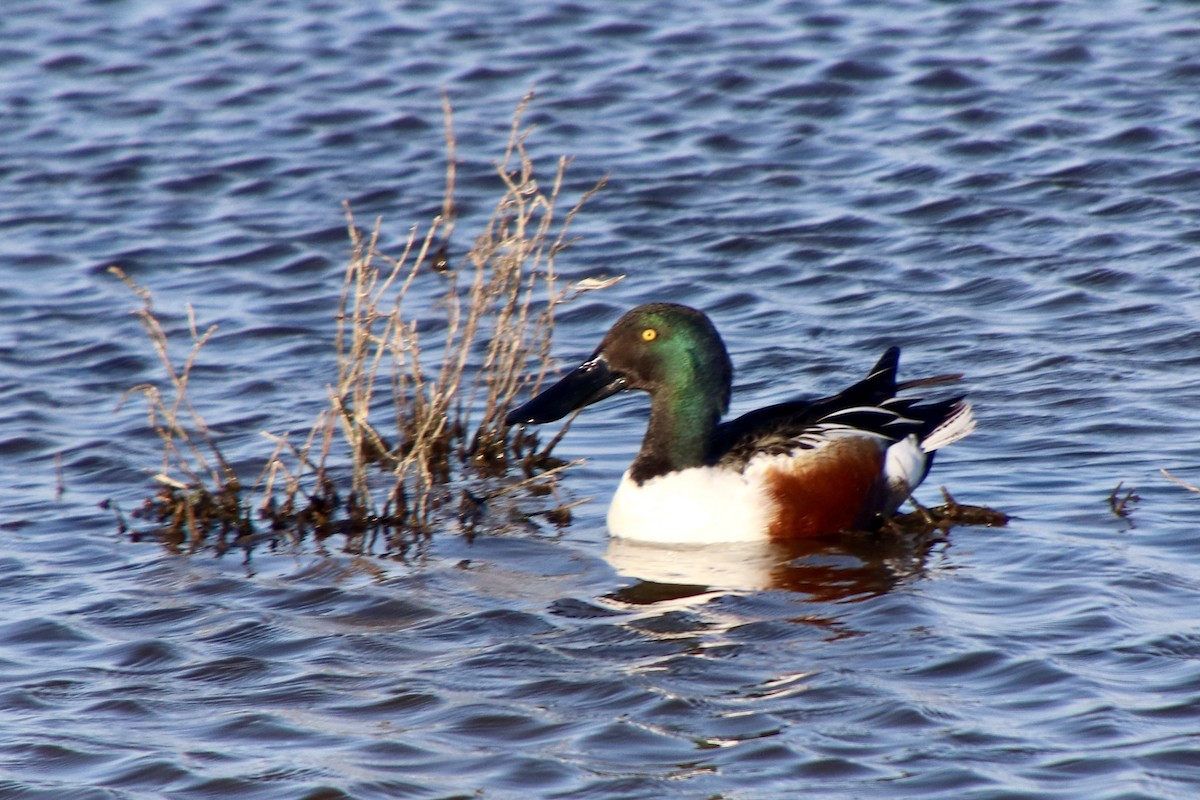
pixel 1178 482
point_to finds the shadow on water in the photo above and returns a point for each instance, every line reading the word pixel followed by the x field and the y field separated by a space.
pixel 846 568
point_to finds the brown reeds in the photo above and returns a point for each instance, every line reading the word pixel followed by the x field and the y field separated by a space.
pixel 443 397
pixel 198 491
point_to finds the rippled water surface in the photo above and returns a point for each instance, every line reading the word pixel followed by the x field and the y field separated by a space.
pixel 1010 189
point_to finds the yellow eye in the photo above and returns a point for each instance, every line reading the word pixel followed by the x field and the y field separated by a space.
pixel 649 335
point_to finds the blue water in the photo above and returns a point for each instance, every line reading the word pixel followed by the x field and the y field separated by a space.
pixel 1007 189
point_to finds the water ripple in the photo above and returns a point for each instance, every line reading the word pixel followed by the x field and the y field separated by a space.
pixel 1005 189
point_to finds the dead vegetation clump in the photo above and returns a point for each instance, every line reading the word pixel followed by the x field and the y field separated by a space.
pixel 414 421
pixel 927 520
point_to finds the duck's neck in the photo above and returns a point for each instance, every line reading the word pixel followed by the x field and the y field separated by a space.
pixel 679 435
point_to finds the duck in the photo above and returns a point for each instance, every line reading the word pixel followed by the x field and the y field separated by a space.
pixel 801 469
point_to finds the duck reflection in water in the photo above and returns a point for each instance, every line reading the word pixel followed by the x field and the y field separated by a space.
pixel 852 566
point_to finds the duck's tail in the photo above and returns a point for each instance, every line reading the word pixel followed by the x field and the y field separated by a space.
pixel 953 423
pixel 908 460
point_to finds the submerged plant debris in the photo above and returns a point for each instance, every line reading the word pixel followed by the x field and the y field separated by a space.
pixel 944 517
pixel 414 431
pixel 1122 504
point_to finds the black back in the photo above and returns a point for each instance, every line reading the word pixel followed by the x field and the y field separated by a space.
pixel 869 405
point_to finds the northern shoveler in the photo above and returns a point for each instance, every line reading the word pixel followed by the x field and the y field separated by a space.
pixel 798 469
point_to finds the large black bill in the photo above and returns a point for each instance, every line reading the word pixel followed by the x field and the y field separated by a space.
pixel 590 381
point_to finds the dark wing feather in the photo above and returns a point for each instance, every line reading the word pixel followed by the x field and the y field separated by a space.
pixel 869 405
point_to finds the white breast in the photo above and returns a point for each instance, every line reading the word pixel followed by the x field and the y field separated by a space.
pixel 696 505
